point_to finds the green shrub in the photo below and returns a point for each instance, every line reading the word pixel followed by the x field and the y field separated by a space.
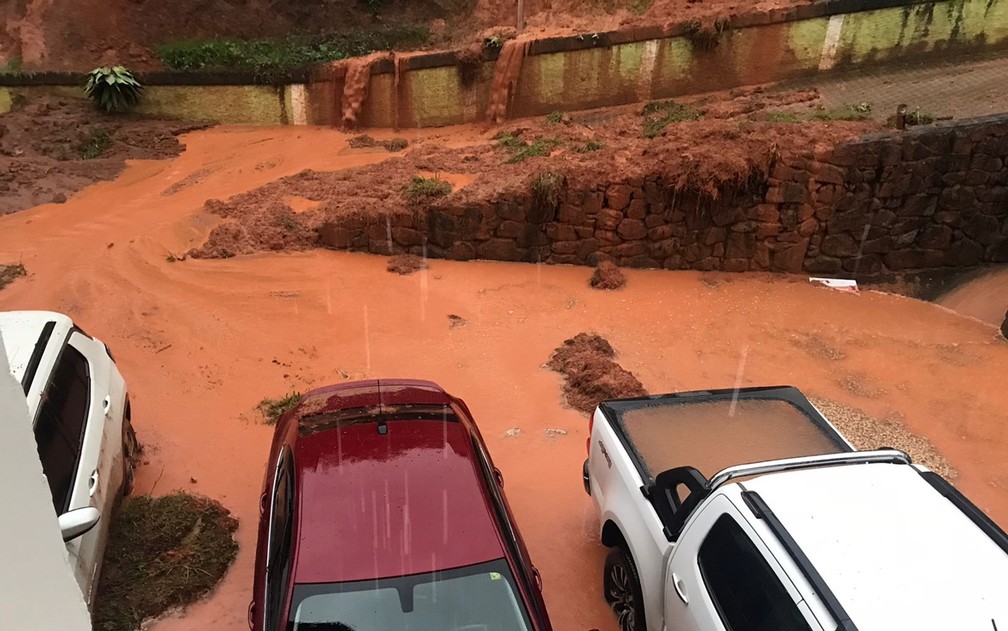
pixel 554 117
pixel 286 53
pixel 113 89
pixel 421 189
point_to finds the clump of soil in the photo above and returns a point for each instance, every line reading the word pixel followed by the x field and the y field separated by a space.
pixel 162 553
pixel 607 276
pixel 455 321
pixel 52 148
pixel 10 272
pixel 866 432
pixel 591 374
pixel 391 145
pixel 406 264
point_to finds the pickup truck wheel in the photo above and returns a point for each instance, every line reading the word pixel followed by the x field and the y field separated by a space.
pixel 623 591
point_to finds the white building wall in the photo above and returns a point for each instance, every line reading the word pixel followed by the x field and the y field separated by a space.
pixel 37 586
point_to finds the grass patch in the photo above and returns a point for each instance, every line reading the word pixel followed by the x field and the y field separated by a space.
pixel 546 189
pixel 273 409
pixel 784 117
pixel 589 147
pixel 858 112
pixel 94 144
pixel 918 117
pixel 554 117
pixel 162 552
pixel 421 189
pixel 10 272
pixel 660 114
pixel 294 51
pixel 520 150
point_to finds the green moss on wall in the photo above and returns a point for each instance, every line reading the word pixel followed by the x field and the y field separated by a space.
pixel 435 96
pixel 805 39
pixel 889 33
pixel 229 104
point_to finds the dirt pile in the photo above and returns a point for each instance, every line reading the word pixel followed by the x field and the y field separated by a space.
pixel 591 374
pixel 709 157
pixel 52 148
pixel 406 264
pixel 163 553
pixel 8 273
pixel 607 276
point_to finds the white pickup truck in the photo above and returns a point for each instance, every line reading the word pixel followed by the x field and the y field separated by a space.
pixel 812 535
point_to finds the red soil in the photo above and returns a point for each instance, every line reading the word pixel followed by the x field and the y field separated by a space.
pixel 727 147
pixel 45 145
pixel 202 342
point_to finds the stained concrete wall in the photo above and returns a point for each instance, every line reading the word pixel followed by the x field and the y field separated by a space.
pixel 37 586
pixel 617 68
pixel 227 104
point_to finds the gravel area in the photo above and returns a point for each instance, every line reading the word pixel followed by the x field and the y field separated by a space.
pixel 868 432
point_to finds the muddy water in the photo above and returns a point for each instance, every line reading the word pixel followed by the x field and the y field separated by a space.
pixel 984 298
pixel 355 86
pixel 202 342
pixel 714 435
pixel 505 79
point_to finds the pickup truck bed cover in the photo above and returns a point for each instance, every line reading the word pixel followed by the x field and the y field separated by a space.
pixel 714 429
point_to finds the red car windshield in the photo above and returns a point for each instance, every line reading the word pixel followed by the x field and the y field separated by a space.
pixel 481 596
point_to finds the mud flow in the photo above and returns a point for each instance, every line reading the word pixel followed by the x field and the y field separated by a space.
pixel 712 435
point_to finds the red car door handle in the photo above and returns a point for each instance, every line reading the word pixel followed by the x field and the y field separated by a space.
pixel 251 615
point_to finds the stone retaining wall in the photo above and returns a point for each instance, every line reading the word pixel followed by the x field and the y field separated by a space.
pixel 927 198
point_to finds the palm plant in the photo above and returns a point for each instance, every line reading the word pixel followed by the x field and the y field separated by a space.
pixel 113 88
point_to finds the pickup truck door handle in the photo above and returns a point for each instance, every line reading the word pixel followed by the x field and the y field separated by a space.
pixel 107 406
pixel 93 483
pixel 680 588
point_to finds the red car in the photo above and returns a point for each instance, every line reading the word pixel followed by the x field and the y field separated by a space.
pixel 382 511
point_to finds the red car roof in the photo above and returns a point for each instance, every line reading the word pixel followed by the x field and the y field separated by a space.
pixel 375 505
